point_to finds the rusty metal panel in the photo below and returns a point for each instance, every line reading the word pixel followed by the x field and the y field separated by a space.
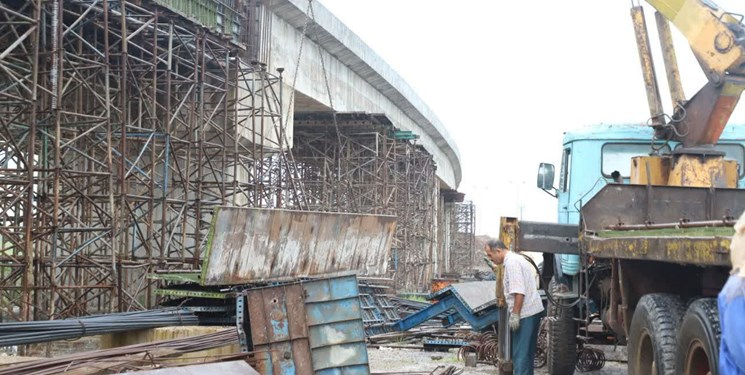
pixel 639 204
pixel 702 251
pixel 279 331
pixel 253 244
pixel 312 327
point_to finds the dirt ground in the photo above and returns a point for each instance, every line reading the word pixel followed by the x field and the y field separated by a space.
pixel 403 360
pixel 6 359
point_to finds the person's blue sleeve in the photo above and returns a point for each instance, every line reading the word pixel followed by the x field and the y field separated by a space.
pixel 731 303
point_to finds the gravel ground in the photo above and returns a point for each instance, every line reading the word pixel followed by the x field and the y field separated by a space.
pixel 403 360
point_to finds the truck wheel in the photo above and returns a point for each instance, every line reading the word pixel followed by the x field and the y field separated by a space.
pixel 561 354
pixel 652 337
pixel 698 341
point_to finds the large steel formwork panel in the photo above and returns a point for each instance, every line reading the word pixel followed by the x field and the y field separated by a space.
pixel 685 225
pixel 253 244
pixel 312 327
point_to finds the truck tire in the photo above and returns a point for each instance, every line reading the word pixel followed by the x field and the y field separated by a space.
pixel 652 336
pixel 561 354
pixel 698 340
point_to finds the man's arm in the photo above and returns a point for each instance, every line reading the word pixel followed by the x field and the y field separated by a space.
pixel 519 298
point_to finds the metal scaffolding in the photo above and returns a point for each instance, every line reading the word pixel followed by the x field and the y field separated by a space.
pixel 121 128
pixel 124 124
pixel 356 162
pixel 462 237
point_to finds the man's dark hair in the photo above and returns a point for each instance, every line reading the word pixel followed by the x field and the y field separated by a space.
pixel 496 245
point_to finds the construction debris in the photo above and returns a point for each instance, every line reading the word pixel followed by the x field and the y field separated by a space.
pixel 462 302
pixel 417 338
pixel 485 345
pixel 590 359
pixel 406 307
pixel 379 312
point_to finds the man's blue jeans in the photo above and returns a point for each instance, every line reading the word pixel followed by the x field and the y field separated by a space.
pixel 524 342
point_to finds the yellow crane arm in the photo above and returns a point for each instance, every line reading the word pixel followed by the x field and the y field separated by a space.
pixel 717 39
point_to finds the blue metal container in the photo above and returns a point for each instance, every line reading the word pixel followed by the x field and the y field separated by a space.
pixel 310 327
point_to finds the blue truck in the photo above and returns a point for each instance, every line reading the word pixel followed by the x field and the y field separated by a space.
pixel 646 213
pixel 635 264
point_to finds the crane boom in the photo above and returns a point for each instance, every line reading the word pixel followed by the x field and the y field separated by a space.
pixel 717 39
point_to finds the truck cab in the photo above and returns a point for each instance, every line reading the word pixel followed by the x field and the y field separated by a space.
pixel 596 155
pixel 591 154
pixel 593 158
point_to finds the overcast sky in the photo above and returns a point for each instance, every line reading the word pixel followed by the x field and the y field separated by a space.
pixel 507 78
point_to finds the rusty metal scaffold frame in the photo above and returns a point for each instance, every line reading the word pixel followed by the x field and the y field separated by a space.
pixel 121 128
pixel 462 237
pixel 358 164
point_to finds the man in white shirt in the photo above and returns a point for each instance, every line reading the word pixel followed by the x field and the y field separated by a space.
pixel 523 303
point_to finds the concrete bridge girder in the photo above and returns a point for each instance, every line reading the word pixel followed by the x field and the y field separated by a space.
pixel 359 79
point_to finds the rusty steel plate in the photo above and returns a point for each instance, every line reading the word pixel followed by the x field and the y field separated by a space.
pixel 279 331
pixel 701 251
pixel 253 244
pixel 310 327
pixel 639 204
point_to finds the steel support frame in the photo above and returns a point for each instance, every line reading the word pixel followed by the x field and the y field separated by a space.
pixel 462 237
pixel 121 128
pixel 356 164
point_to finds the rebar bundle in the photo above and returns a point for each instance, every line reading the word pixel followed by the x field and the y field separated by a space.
pixel 125 358
pixel 21 333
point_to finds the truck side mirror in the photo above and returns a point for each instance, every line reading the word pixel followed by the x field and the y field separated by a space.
pixel 546 176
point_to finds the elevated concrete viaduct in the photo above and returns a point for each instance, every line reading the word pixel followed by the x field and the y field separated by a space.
pixel 360 80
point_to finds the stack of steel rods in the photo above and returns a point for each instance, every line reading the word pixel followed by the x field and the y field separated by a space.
pixel 124 358
pixel 50 330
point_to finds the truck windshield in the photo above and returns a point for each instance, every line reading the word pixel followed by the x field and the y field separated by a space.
pixel 617 156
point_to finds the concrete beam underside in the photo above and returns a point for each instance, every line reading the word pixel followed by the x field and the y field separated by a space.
pixel 359 79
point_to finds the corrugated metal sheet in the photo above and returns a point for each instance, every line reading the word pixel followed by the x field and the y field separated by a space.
pixel 253 244
pixel 313 327
pixel 337 335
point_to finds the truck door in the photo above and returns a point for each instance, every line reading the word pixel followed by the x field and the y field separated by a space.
pixel 563 190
